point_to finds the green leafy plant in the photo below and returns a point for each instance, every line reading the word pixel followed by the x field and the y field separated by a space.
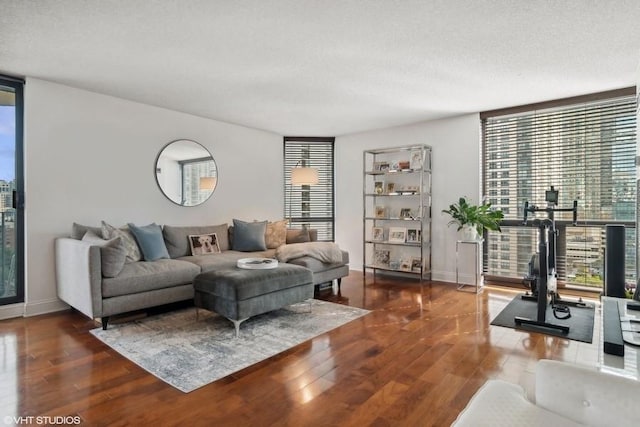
pixel 480 217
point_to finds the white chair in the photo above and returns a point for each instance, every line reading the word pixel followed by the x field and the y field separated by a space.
pixel 565 395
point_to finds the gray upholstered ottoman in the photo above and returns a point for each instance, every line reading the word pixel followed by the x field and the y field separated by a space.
pixel 238 294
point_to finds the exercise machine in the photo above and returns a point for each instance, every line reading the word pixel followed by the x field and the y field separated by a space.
pixel 542 278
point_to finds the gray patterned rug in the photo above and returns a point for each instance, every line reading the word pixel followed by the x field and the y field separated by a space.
pixel 189 354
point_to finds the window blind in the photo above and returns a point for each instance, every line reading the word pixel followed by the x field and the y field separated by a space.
pixel 310 205
pixel 586 151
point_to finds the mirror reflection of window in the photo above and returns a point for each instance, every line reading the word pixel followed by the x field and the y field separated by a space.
pixel 186 172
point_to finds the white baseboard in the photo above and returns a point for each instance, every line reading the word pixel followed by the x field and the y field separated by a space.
pixel 11 311
pixel 44 306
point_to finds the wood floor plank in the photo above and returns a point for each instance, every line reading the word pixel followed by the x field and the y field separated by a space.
pixel 416 359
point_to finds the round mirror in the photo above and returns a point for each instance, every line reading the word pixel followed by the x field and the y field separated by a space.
pixel 186 172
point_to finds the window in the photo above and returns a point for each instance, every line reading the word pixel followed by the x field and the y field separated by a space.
pixel 585 147
pixel 310 205
pixel 11 191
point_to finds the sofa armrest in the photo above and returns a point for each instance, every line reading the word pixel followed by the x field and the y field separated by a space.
pixel 587 395
pixel 79 275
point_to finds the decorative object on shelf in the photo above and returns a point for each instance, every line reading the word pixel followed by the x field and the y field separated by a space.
pixel 395 166
pixel 377 234
pixel 381 166
pixel 405 264
pixel 381 257
pixel 394 264
pixel 413 235
pixel 379 187
pixel 390 187
pixel 416 264
pixel 403 165
pixel 405 213
pixel 474 219
pixel 397 234
pixel 415 161
pixel 381 212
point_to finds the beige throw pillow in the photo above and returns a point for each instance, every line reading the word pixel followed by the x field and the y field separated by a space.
pixel 276 234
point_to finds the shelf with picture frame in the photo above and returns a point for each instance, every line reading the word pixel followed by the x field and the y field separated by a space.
pixel 397 210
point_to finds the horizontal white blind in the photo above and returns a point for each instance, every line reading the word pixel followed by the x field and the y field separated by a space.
pixel 586 151
pixel 310 205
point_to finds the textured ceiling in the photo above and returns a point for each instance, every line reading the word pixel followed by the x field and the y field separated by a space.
pixel 329 67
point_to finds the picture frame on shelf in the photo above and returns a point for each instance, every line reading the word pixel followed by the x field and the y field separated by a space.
pixel 413 235
pixel 381 257
pixel 380 212
pixel 415 161
pixel 380 166
pixel 390 187
pixel 416 264
pixel 394 264
pixel 395 166
pixel 406 264
pixel 377 234
pixel 397 235
pixel 404 165
pixel 378 187
pixel 405 213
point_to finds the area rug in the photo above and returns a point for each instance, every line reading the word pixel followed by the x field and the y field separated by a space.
pixel 580 323
pixel 189 354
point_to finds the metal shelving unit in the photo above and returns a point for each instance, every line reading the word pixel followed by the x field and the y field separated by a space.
pixel 397 210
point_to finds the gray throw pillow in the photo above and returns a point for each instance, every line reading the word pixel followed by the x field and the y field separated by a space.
pixel 298 235
pixel 249 236
pixel 78 231
pixel 129 242
pixel 177 238
pixel 149 238
pixel 112 253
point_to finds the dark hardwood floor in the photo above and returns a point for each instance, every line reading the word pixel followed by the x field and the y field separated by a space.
pixel 415 360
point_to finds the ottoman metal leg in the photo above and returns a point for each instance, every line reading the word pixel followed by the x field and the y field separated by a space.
pixel 237 323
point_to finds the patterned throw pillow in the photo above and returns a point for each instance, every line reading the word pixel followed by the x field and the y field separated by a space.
pixel 129 242
pixel 204 244
pixel 276 234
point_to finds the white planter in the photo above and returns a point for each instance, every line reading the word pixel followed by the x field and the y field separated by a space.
pixel 469 233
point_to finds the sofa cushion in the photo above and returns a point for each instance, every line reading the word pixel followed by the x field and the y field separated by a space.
pixel 276 234
pixel 249 236
pixel 146 276
pixel 150 241
pixel 113 254
pixel 177 238
pixel 225 259
pixel 129 242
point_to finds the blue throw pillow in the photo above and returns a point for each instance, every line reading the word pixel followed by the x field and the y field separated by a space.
pixel 249 236
pixel 149 238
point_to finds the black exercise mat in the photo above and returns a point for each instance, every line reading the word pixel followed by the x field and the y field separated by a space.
pixel 580 323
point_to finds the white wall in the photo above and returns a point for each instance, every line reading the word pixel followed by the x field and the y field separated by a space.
pixel 456 172
pixel 91 157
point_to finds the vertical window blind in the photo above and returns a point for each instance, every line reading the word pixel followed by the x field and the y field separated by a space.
pixel 310 206
pixel 585 150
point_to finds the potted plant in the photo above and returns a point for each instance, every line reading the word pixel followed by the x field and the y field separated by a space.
pixel 474 219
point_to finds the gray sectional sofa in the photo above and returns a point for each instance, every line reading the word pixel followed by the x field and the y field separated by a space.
pixel 81 266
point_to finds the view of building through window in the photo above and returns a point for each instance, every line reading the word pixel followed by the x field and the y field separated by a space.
pixel 585 151
pixel 7 213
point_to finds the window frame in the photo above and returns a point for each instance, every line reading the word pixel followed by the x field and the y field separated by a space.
pixel 489 187
pixel 328 233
